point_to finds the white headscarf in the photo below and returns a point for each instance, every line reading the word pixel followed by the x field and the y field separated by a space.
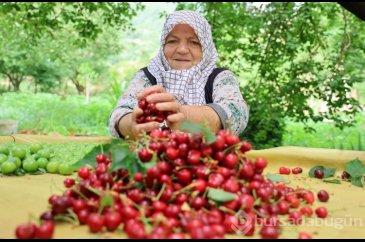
pixel 186 85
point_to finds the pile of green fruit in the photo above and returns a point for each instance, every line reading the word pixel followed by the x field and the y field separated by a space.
pixel 38 158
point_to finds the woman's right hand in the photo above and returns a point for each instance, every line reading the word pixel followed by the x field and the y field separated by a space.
pixel 139 128
pixel 165 102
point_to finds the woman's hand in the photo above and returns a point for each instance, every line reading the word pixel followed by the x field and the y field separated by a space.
pixel 164 102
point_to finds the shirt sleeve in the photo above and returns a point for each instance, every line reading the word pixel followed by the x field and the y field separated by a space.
pixel 127 102
pixel 228 102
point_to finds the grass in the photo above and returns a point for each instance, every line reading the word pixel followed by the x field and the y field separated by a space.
pixel 327 136
pixel 47 113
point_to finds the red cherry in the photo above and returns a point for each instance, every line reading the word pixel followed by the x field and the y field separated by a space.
pixel 95 222
pixel 295 217
pixel 144 154
pixel 84 172
pixel 101 158
pixel 112 221
pixel 219 143
pixel 260 163
pixel 231 140
pixel 269 232
pixel 308 197
pixel 323 196
pixel 230 161
pixel 172 153
pixel 45 230
pixel 284 170
pixel 184 176
pixel 26 231
pixel 245 146
pixel 304 235
pixel 138 177
pixel 321 212
pixel 69 182
pixel 319 173
pixel 307 211
pixel 194 157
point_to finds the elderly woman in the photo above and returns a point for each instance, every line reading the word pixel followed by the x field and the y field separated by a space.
pixel 186 59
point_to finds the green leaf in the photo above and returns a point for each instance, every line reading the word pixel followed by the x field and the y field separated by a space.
pixel 209 135
pixel 88 159
pixel 334 181
pixel 328 172
pixel 357 181
pixel 220 195
pixel 276 178
pixel 355 168
pixel 107 201
pixel 199 128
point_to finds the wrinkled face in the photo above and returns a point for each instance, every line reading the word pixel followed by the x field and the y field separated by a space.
pixel 182 47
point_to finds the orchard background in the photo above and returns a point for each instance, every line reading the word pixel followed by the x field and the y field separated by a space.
pixel 300 66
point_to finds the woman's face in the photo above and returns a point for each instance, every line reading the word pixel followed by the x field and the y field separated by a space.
pixel 182 47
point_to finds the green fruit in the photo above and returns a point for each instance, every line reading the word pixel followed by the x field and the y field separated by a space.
pixel 3 158
pixel 42 163
pixel 45 153
pixel 65 169
pixel 34 148
pixel 30 165
pixel 8 167
pixel 15 160
pixel 4 150
pixel 19 152
pixel 52 167
pixel 35 156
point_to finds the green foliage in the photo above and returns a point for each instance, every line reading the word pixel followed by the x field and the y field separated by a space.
pixel 287 55
pixel 199 128
pixel 87 19
pixel 326 135
pixel 55 42
pixel 52 113
pixel 276 178
pixel 220 195
pixel 333 181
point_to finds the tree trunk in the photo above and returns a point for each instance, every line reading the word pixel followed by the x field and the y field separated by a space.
pixel 15 81
pixel 79 87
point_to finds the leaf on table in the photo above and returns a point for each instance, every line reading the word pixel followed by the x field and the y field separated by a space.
pixel 328 172
pixel 276 178
pixel 220 195
pixel 357 181
pixel 334 181
pixel 355 168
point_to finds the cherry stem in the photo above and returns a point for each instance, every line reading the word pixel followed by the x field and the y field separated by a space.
pixel 161 191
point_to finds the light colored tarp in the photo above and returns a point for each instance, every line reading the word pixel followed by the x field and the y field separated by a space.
pixel 24 196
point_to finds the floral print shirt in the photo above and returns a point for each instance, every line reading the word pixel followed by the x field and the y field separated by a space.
pixel 228 102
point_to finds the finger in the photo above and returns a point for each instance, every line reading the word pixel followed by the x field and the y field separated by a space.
pixel 175 118
pixel 149 90
pixel 160 97
pixel 146 127
pixel 168 106
pixel 137 112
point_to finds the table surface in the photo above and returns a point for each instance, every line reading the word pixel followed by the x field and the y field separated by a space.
pixel 27 196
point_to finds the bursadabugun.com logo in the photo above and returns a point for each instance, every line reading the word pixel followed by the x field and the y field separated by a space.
pixel 247 222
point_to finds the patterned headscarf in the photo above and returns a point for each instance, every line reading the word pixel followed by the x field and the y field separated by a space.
pixel 186 85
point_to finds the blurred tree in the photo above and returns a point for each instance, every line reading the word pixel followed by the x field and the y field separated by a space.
pixel 50 41
pixel 286 55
